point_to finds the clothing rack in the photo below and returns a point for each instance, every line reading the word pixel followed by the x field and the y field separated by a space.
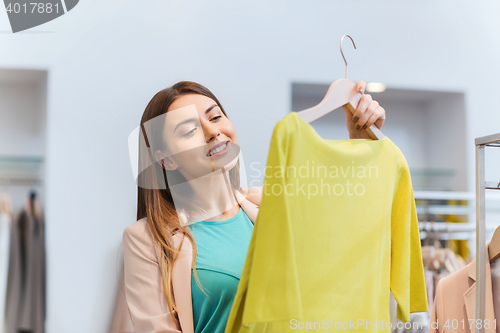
pixel 451 226
pixel 20 174
pixel 493 185
pixel 450 230
pixel 481 186
pixel 19 181
pixel 20 170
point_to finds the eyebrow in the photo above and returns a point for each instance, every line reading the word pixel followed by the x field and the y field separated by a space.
pixel 193 119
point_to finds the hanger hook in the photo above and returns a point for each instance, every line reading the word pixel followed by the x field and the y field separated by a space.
pixel 343 52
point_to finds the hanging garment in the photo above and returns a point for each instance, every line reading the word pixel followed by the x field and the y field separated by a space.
pixel 495 289
pixel 26 306
pixel 454 307
pixel 5 225
pixel 15 277
pixel 439 262
pixel 337 231
pixel 438 277
pixel 221 251
pixel 429 285
pixel 419 321
pixel 459 246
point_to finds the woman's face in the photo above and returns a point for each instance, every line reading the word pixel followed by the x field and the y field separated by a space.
pixel 194 128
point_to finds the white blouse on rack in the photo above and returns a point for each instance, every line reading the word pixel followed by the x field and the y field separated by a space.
pixel 5 225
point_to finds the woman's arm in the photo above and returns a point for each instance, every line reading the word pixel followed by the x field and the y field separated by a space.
pixel 142 278
pixel 368 112
pixel 253 194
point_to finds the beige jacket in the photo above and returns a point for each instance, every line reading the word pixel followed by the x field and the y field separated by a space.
pixel 142 279
pixel 454 306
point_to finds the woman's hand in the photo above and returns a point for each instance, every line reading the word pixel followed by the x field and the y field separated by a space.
pixel 252 194
pixel 249 199
pixel 367 113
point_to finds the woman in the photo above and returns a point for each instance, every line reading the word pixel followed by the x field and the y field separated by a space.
pixel 193 213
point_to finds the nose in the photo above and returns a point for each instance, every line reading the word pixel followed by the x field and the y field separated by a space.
pixel 211 131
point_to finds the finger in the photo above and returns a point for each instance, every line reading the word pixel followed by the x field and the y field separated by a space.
pixel 380 116
pixel 348 114
pixel 367 114
pixel 376 115
pixel 360 86
pixel 363 104
pixel 380 121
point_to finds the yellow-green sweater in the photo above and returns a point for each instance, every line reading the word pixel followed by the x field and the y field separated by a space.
pixel 337 230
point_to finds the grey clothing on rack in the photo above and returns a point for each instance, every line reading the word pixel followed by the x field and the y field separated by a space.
pixel 26 296
pixel 15 277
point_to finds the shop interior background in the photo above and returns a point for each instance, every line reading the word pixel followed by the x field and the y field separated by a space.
pixel 73 89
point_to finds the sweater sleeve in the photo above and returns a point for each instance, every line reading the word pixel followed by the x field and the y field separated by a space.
pixel 407 271
pixel 269 289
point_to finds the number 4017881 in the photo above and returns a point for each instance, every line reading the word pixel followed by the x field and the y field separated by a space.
pixel 461 325
pixel 36 7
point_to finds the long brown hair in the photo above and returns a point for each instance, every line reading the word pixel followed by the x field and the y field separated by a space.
pixel 155 202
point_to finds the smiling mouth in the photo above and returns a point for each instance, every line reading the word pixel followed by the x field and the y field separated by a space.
pixel 220 148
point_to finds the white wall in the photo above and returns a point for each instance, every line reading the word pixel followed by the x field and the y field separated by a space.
pixel 106 59
pixel 22 132
pixel 22 119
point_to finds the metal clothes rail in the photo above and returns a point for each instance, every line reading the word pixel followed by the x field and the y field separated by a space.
pixel 481 186
pixel 451 226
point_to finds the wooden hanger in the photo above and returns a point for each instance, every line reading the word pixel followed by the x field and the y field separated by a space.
pixel 342 93
pixel 494 246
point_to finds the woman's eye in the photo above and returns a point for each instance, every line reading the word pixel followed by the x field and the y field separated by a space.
pixel 216 117
pixel 190 132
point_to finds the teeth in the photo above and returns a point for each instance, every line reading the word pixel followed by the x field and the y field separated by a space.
pixel 215 151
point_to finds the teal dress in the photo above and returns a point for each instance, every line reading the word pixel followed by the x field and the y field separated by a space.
pixel 222 250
